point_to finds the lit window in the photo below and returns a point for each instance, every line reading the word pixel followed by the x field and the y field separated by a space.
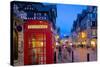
pixel 34 17
pixel 45 14
pixel 93 42
pixel 34 14
pixel 83 35
pixel 93 32
pixel 84 42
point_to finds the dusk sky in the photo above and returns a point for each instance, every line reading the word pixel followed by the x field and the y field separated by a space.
pixel 66 14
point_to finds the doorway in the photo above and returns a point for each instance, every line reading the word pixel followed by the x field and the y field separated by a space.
pixel 37 48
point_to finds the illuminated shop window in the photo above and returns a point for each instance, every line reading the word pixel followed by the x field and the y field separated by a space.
pixel 93 32
pixel 84 42
pixel 83 35
pixel 93 42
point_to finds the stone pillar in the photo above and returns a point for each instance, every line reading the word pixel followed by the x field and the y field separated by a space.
pixel 20 48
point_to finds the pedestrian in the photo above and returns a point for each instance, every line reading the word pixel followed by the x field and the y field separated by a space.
pixel 60 53
pixel 69 49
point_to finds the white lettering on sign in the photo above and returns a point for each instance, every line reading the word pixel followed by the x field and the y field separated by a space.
pixel 37 26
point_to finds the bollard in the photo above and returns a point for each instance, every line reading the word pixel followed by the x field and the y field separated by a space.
pixel 55 57
pixel 88 55
pixel 72 56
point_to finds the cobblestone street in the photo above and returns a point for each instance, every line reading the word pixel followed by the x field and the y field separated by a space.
pixel 79 55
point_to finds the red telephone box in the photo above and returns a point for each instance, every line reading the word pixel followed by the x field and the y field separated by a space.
pixel 38 43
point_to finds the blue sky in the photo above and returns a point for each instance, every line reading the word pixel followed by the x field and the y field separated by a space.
pixel 66 14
